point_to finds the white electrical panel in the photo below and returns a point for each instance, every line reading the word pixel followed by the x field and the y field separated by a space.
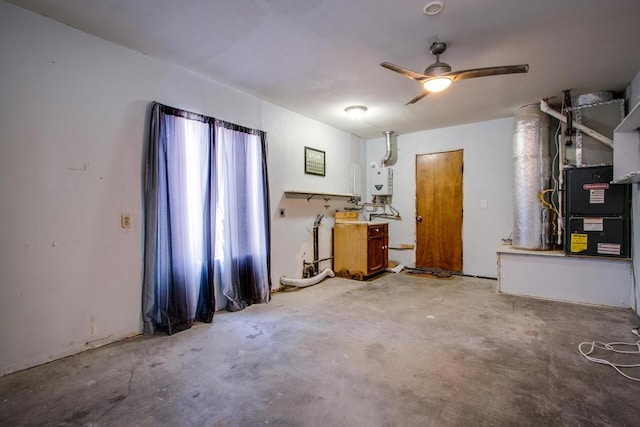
pixel 382 181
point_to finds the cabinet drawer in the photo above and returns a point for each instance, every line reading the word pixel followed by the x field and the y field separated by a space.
pixel 377 230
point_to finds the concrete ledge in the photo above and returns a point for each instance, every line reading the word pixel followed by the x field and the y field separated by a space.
pixel 553 275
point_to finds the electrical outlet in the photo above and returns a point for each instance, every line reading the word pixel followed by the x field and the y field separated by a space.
pixel 281 212
pixel 125 221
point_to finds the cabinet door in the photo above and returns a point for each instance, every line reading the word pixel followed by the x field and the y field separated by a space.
pixel 376 248
pixel 375 254
pixel 385 248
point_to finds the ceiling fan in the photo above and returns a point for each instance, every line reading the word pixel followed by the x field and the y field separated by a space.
pixel 438 76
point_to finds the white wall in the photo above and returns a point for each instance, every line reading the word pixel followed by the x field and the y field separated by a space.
pixel 291 236
pixel 488 175
pixel 633 92
pixel 74 118
pixel 635 248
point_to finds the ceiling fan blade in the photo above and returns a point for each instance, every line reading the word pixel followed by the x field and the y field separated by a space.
pixel 405 72
pixel 489 71
pixel 418 98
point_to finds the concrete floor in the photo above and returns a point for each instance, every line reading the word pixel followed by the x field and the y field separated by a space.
pixel 395 351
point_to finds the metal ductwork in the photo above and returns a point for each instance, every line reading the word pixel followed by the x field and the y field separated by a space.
pixel 544 106
pixel 387 156
pixel 531 227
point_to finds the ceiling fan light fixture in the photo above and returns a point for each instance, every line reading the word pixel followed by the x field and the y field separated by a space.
pixel 438 76
pixel 437 84
pixel 356 112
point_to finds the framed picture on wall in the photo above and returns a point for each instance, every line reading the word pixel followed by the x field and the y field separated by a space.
pixel 314 161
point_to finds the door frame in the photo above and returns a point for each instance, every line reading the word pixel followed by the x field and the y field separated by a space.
pixel 417 213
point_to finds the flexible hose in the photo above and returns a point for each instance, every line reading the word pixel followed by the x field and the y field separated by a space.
pixel 303 283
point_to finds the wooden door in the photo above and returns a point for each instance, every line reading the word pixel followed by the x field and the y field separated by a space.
pixel 439 210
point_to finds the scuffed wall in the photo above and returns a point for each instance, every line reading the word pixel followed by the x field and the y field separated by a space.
pixel 74 116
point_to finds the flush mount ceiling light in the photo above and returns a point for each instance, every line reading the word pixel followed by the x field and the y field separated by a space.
pixel 433 8
pixel 355 112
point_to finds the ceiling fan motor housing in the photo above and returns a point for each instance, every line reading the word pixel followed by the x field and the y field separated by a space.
pixel 437 69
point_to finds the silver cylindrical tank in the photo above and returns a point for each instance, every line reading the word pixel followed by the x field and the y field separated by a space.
pixel 531 219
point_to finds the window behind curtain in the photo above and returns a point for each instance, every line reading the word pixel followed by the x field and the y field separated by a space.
pixel 206 219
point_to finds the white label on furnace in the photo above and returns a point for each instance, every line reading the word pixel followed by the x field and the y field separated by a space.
pixel 609 248
pixel 593 224
pixel 596 196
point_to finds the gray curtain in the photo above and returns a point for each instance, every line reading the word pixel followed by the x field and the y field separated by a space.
pixel 207 225
pixel 242 216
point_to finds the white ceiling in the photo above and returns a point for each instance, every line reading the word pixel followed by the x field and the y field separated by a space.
pixel 318 57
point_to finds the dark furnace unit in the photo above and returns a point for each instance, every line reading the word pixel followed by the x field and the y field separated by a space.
pixel 597 213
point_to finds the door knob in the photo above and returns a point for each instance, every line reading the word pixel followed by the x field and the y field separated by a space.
pixel 419 218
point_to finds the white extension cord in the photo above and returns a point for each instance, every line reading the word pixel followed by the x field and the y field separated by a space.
pixel 610 347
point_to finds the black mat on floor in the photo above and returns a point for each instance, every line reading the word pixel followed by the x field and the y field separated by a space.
pixel 430 273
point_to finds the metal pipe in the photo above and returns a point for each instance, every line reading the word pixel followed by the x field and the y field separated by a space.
pixel 316 250
pixel 560 220
pixel 320 260
pixel 545 107
pixel 387 156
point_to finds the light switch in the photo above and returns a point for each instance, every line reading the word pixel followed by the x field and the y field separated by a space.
pixel 484 204
pixel 125 220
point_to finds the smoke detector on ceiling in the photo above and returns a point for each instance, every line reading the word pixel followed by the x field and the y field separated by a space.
pixel 433 8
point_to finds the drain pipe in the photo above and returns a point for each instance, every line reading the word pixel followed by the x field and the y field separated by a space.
pixel 311 268
pixel 546 108
pixel 303 283
pixel 316 238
